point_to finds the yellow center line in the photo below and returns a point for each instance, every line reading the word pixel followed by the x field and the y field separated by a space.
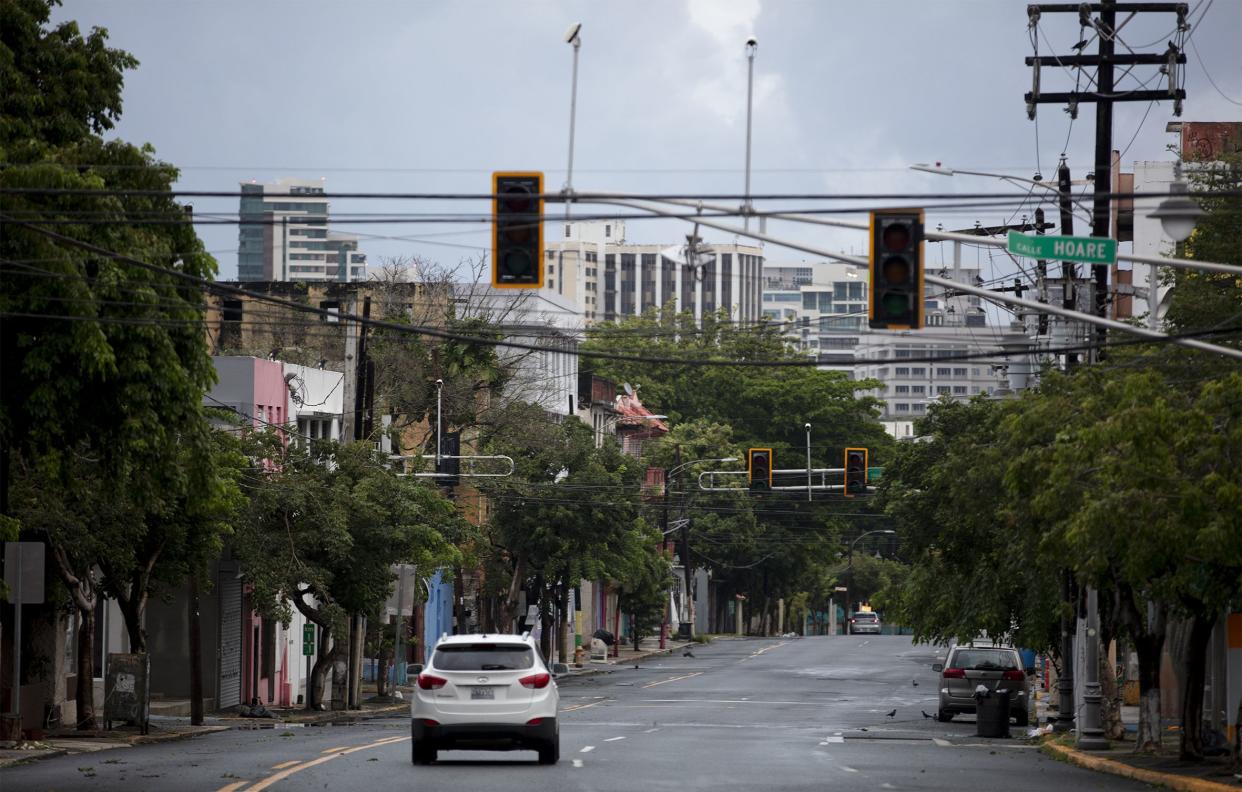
pixel 233 786
pixel 329 750
pixel 672 679
pixel 584 706
pixel 283 765
pixel 283 774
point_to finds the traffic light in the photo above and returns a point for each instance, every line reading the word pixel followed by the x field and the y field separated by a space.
pixel 517 230
pixel 896 269
pixel 759 468
pixel 855 472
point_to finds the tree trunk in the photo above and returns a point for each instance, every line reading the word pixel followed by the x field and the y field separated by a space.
pixel 563 628
pixel 1193 674
pixel 196 655
pixel 319 672
pixel 508 607
pixel 1149 649
pixel 384 658
pixel 84 690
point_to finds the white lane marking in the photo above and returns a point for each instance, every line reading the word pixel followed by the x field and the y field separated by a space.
pixel 848 769
pixel 735 701
pixel 887 785
pixel 673 679
pixel 614 739
pixel 941 743
pixel 578 763
pixel 833 739
pixel 587 749
pixel 652 731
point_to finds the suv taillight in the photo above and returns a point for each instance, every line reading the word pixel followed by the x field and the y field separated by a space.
pixel 953 673
pixel 429 682
pixel 1015 675
pixel 535 681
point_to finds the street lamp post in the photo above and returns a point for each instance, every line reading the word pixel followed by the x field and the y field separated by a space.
pixel 573 36
pixel 1177 215
pixel 752 44
pixel 850 567
pixel 808 461
pixel 685 541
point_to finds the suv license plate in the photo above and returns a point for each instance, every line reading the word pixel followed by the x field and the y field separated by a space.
pixel 482 693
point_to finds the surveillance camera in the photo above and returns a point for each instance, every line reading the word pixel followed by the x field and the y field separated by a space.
pixel 808 426
pixel 572 33
pixel 752 42
pixel 439 382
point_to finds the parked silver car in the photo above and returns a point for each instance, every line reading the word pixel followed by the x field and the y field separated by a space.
pixel 995 667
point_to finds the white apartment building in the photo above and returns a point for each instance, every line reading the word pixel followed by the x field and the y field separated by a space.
pixel 822 308
pixel 607 278
pixel 283 235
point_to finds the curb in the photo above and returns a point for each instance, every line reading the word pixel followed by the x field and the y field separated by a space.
pixel 150 739
pixel 319 717
pixel 50 753
pixel 1102 765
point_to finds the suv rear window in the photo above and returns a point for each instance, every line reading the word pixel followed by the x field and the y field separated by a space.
pixel 866 617
pixel 985 660
pixel 483 657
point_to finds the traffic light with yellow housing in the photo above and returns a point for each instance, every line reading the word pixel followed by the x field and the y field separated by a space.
pixel 896 299
pixel 759 468
pixel 855 472
pixel 517 230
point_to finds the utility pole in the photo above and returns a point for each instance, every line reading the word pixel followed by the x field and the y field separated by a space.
pixel 1041 271
pixel 1065 680
pixel 196 654
pixel 1069 270
pixel 1090 729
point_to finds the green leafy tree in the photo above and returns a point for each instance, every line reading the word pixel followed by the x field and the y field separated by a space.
pixel 323 529
pixel 117 347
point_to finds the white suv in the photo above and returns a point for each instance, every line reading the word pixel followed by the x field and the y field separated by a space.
pixel 486 692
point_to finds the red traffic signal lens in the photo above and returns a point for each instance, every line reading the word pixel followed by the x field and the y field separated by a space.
pixel 896 236
pixel 517 197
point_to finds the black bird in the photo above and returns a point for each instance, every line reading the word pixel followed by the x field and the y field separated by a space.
pixel 1080 45
pixel 914 682
pixel 687 653
pixel 925 715
pixel 891 713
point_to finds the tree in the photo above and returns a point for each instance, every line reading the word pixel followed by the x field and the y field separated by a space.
pixel 570 512
pixel 324 527
pixel 116 346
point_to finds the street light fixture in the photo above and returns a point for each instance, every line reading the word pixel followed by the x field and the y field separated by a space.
pixel 573 37
pixel 942 170
pixel 1179 212
pixel 850 567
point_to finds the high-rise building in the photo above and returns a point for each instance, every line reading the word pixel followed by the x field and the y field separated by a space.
pixel 822 309
pixel 283 235
pixel 592 265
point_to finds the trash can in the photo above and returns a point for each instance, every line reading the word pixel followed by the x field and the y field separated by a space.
pixel 992 714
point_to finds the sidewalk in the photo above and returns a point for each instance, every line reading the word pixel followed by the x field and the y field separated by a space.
pixel 170 728
pixel 1210 775
pixel 627 656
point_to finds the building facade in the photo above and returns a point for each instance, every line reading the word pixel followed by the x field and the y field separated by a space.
pixel 283 235
pixel 607 278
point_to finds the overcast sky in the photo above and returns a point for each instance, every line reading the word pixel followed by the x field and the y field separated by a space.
pixel 432 97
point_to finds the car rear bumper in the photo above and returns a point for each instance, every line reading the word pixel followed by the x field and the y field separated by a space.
pixel 484 736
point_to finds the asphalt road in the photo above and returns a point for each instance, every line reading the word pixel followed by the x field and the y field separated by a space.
pixel 754 714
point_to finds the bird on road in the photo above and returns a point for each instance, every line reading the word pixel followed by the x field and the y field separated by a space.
pixel 914 682
pixel 925 715
pixel 891 713
pixel 687 653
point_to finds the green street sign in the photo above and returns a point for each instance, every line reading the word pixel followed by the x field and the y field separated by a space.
pixel 875 473
pixel 1090 250
pixel 308 639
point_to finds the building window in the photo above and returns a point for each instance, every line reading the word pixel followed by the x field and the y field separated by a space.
pixel 918 372
pixel 903 371
pixel 567 230
pixel 607 231
pixel 959 372
pixel 808 301
pixel 840 291
pixel 944 372
pixel 856 291
pixel 903 407
pixel 918 390
pixel 943 390
pixel 903 389
pixel 918 408
pixel 959 390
